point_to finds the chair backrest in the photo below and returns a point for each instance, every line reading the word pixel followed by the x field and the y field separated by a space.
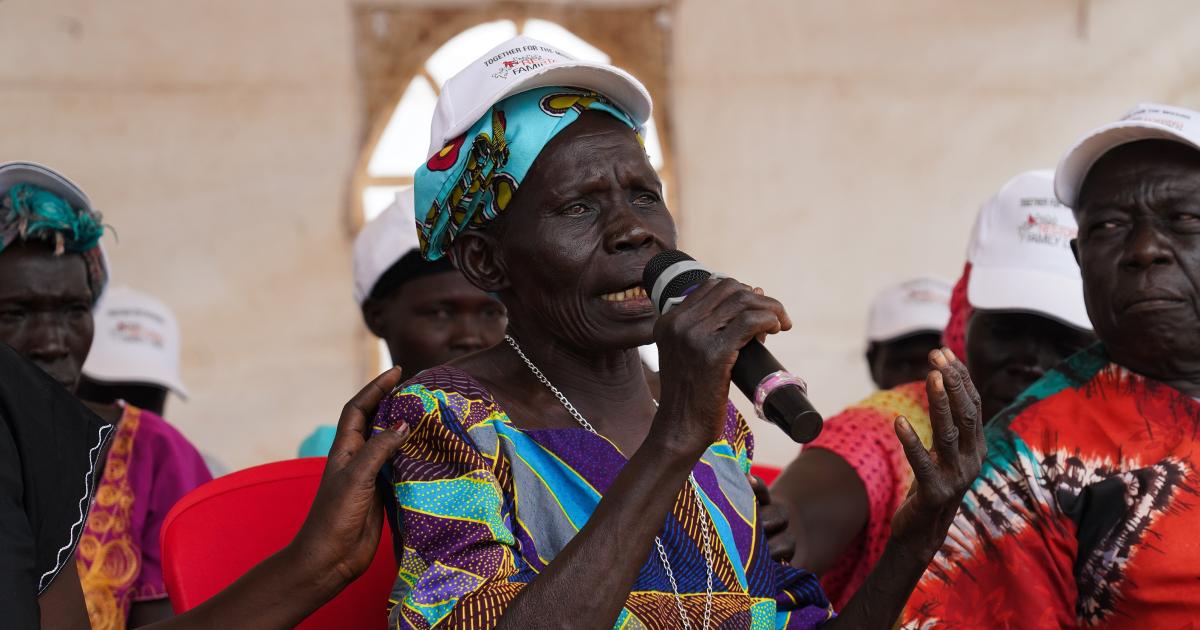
pixel 766 473
pixel 222 529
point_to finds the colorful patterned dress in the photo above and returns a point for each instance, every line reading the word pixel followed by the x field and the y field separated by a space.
pixel 865 437
pixel 1083 516
pixel 149 466
pixel 483 507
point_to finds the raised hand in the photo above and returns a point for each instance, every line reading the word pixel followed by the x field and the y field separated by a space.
pixel 334 546
pixel 941 478
pixel 941 475
pixel 698 343
pixel 343 526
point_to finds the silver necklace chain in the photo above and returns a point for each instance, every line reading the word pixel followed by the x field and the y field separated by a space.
pixel 662 552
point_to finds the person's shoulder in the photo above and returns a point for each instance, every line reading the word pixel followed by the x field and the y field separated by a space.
pixel 152 426
pixel 166 448
pixel 445 378
pixel 877 412
pixel 1059 395
pixel 445 394
pixel 318 443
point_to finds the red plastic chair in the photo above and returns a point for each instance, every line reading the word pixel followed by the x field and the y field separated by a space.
pixel 766 473
pixel 220 530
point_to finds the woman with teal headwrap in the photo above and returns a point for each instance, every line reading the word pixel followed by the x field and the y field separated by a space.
pixel 54 452
pixel 544 486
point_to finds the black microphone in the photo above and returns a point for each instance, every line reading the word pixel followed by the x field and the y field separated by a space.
pixel 778 396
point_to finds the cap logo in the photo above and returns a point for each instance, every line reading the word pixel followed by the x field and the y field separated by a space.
pixel 133 332
pixel 924 296
pixel 1044 229
pixel 1167 118
pixel 517 61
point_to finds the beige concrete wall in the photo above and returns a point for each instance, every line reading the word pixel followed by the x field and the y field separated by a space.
pixel 828 148
pixel 823 150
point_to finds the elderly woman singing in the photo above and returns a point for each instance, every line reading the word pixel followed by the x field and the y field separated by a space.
pixel 543 485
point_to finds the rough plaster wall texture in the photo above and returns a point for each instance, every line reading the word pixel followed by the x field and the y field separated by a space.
pixel 218 137
pixel 825 149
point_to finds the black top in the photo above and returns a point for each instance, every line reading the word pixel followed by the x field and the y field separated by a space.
pixel 49 445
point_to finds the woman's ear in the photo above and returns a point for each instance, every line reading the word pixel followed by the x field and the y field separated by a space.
pixel 372 312
pixel 477 255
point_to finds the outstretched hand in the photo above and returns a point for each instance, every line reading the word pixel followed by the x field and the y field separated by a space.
pixel 341 532
pixel 944 474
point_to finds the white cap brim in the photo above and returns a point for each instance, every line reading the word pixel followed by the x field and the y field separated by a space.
pixel 619 86
pixel 1074 167
pixel 1026 290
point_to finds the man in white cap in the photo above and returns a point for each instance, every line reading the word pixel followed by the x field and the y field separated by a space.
pixel 135 356
pixel 425 311
pixel 1023 314
pixel 904 324
pixel 1084 513
pixel 135 352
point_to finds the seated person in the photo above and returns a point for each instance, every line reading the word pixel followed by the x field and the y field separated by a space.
pixel 134 356
pixel 1083 514
pixel 904 325
pixel 1021 304
pixel 425 311
pixel 51 274
pixel 49 449
pixel 544 485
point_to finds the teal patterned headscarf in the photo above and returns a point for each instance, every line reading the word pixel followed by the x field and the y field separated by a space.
pixel 30 213
pixel 474 177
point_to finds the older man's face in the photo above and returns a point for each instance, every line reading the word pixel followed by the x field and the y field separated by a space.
pixel 1139 249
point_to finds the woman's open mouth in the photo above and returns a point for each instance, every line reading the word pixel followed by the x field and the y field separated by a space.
pixel 630 303
pixel 635 293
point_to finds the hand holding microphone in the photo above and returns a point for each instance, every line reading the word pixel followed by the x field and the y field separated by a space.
pixel 718 321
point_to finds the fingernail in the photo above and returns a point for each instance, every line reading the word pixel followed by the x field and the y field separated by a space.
pixel 402 429
pixel 939 358
pixel 938 385
pixel 904 423
pixel 949 354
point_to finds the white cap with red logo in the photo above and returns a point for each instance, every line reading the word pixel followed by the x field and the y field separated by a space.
pixel 383 241
pixel 136 341
pixel 1020 253
pixel 519 65
pixel 916 306
pixel 1147 121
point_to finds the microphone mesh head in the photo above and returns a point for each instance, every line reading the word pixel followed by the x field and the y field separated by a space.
pixel 681 280
pixel 659 264
pixel 682 284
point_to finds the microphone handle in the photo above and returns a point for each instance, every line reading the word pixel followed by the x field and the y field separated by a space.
pixel 786 406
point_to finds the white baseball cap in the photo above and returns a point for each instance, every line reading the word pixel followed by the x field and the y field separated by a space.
pixel 1147 121
pixel 382 242
pixel 1020 253
pixel 519 65
pixel 136 341
pixel 908 308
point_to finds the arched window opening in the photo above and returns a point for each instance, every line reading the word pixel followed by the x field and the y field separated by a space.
pixel 401 147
